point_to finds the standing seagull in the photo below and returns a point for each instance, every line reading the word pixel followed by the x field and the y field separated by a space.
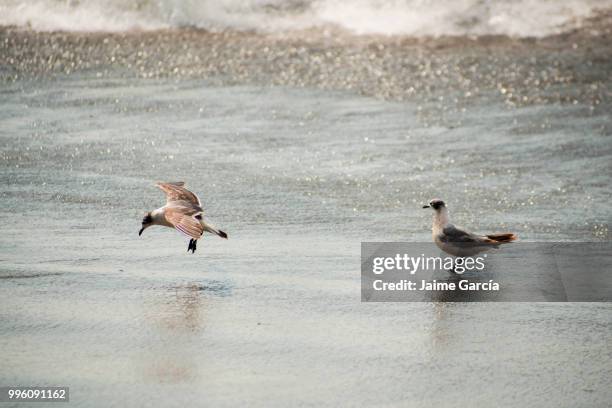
pixel 458 242
pixel 183 211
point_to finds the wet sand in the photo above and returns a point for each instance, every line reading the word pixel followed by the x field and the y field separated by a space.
pixel 447 72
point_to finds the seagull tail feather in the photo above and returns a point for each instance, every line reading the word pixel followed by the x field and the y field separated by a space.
pixel 214 230
pixel 502 238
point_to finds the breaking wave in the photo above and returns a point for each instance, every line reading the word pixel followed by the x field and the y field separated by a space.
pixel 417 18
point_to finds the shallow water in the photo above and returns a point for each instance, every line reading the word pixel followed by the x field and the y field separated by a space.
pixel 301 144
pixel 298 178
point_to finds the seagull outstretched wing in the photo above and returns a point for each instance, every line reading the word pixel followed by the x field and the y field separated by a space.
pixel 177 192
pixel 185 219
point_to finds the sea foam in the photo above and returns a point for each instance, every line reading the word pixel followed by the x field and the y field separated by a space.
pixel 416 18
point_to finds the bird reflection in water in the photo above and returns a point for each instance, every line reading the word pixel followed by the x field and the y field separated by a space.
pixel 444 331
pixel 178 318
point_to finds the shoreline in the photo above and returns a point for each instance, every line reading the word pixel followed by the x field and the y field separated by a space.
pixel 448 72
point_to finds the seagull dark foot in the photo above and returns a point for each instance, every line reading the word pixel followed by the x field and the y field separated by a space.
pixel 192 245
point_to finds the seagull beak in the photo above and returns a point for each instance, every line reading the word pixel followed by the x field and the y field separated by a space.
pixel 140 232
pixel 425 206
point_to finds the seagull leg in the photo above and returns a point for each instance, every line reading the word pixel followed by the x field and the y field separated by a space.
pixel 193 247
pixel 190 245
pixel 453 268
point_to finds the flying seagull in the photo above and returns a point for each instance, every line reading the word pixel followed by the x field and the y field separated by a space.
pixel 458 242
pixel 183 211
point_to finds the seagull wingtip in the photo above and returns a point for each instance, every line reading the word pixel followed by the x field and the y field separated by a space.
pixel 174 183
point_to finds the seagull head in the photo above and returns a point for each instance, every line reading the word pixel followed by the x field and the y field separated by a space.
pixel 436 204
pixel 147 221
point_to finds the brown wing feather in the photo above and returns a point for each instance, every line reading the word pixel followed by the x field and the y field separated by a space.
pixel 176 192
pixel 185 221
